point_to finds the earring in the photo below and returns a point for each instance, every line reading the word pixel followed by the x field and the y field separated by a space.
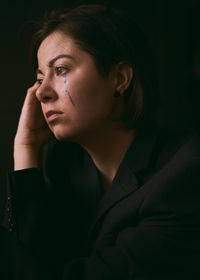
pixel 117 94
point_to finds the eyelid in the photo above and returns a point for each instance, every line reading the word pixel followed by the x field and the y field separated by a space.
pixel 59 71
pixel 62 69
pixel 39 77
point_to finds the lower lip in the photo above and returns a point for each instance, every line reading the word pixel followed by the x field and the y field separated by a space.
pixel 53 118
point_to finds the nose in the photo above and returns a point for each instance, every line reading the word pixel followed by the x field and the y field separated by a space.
pixel 46 92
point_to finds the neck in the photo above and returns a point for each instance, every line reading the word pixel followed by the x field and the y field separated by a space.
pixel 107 151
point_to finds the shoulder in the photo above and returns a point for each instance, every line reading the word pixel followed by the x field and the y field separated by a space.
pixel 177 146
pixel 174 184
pixel 169 151
pixel 178 159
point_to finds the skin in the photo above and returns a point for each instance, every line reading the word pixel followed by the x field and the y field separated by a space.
pixel 89 120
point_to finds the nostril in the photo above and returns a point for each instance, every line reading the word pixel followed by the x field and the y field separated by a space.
pixel 45 98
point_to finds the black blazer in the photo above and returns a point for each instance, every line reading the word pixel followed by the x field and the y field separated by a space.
pixel 146 226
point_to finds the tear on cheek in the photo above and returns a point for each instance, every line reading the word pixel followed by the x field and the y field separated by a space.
pixel 66 88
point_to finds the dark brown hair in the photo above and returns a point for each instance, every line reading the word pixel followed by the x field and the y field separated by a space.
pixel 110 36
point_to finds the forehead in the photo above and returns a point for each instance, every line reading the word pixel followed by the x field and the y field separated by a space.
pixel 55 44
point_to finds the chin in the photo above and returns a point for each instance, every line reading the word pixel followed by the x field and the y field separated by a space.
pixel 73 135
pixel 60 132
pixel 63 136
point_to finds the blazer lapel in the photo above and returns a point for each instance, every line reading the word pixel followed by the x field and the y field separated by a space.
pixel 125 182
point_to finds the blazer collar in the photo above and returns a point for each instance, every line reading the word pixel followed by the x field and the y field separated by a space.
pixel 125 182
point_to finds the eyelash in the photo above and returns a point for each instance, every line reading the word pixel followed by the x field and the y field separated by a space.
pixel 59 71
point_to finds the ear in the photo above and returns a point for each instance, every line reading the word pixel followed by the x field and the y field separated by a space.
pixel 124 75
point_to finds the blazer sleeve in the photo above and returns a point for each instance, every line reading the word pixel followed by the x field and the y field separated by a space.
pixel 30 191
pixel 26 191
pixel 37 222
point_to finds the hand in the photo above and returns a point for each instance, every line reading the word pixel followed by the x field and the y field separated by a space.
pixel 32 132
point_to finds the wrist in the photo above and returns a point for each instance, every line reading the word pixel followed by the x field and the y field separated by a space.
pixel 25 157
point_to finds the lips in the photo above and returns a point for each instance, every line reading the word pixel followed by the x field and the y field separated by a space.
pixel 52 115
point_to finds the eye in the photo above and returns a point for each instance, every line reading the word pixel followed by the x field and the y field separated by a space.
pixel 39 81
pixel 61 70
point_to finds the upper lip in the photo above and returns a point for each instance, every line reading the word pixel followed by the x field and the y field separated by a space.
pixel 51 112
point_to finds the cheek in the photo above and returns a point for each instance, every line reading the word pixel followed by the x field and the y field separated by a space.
pixel 43 109
pixel 87 89
pixel 92 105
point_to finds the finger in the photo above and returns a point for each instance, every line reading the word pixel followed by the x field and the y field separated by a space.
pixel 31 95
pixel 33 88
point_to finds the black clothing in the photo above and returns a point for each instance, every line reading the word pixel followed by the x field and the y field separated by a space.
pixel 146 226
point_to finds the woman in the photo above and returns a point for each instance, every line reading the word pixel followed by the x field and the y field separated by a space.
pixel 109 196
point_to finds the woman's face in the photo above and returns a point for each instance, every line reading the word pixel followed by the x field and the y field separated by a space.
pixel 76 100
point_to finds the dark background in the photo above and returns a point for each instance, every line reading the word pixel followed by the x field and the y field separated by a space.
pixel 173 31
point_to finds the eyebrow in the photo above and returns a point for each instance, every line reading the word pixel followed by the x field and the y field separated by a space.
pixel 53 60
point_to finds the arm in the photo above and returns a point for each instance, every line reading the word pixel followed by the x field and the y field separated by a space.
pixel 32 132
